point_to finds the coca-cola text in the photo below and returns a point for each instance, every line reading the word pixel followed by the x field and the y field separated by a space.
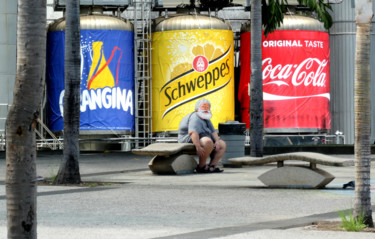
pixel 309 71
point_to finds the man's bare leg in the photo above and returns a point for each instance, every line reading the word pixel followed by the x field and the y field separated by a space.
pixel 208 146
pixel 219 152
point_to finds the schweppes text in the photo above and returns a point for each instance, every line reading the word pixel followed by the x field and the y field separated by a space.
pixel 205 81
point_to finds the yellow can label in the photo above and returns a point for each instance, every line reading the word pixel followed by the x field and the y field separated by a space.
pixel 189 65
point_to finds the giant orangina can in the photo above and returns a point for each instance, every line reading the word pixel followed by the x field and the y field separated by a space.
pixel 107 74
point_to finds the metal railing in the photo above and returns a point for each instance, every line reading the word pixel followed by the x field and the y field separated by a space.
pixel 53 143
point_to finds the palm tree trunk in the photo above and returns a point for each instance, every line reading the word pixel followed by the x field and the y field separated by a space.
pixel 22 117
pixel 256 81
pixel 362 99
pixel 69 168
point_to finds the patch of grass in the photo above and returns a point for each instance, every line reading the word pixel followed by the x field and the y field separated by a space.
pixel 53 175
pixel 53 178
pixel 50 182
pixel 96 184
pixel 352 224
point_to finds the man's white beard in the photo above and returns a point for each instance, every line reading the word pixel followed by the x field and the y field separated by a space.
pixel 203 115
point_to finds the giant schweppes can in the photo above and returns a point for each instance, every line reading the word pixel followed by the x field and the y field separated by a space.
pixel 192 58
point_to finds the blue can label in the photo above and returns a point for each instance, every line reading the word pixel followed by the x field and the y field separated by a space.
pixel 107 80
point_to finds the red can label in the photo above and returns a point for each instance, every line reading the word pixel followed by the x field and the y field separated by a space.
pixel 296 88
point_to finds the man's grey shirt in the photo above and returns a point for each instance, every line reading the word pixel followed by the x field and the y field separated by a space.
pixel 192 122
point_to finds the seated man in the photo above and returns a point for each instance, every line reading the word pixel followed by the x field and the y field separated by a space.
pixel 197 128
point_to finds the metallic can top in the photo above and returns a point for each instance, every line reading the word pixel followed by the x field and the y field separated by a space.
pixel 95 21
pixel 189 22
pixel 293 22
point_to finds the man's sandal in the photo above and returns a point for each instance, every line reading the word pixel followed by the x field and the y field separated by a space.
pixel 204 169
pixel 214 169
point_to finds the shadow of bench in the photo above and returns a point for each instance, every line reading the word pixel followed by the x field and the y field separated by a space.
pixel 170 158
pixel 295 176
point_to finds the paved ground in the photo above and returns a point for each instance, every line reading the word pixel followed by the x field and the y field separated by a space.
pixel 137 204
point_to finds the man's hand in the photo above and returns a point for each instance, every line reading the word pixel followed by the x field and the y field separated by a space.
pixel 200 151
pixel 217 145
pixel 217 139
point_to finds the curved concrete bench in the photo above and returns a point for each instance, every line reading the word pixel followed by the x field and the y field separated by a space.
pixel 170 158
pixel 295 176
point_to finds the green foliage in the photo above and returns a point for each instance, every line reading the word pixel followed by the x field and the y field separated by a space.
pixel 272 13
pixel 352 224
pixel 321 8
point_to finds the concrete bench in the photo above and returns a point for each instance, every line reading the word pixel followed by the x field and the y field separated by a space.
pixel 170 158
pixel 295 176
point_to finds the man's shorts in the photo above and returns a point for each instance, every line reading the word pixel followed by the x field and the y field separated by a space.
pixel 185 139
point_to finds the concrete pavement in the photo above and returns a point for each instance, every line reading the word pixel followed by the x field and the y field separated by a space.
pixel 137 204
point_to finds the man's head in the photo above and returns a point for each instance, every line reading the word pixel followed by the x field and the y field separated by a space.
pixel 203 108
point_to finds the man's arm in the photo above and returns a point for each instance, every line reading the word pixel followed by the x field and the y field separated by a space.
pixel 216 137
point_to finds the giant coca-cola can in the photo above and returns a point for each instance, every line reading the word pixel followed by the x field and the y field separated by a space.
pixel 295 61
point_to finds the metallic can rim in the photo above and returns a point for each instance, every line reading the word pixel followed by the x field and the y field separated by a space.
pixel 95 22
pixel 189 22
pixel 293 22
